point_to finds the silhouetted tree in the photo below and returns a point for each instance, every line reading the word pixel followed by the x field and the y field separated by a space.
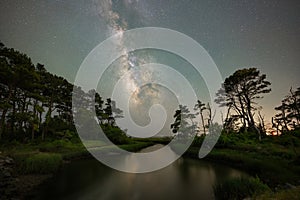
pixel 36 103
pixel 200 107
pixel 99 108
pixel 183 126
pixel 239 92
pixel 111 112
pixel 15 71
pixel 294 107
pixel 30 96
pixel 288 113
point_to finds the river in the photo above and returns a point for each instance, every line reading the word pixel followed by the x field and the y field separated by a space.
pixel 90 180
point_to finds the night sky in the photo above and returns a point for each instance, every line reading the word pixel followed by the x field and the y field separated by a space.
pixel 236 33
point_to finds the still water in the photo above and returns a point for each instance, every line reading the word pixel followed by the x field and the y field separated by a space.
pixel 90 180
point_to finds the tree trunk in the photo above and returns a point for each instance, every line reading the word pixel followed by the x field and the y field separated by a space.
pixel 32 131
pixel 226 118
pixel 210 118
pixel 3 116
pixel 48 117
pixel 284 119
pixel 244 116
pixel 2 128
pixel 12 125
pixel 203 123
pixel 251 119
pixel 34 117
pixel 296 106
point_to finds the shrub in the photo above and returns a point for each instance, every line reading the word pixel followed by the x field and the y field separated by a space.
pixel 54 146
pixel 116 135
pixel 239 188
pixel 39 163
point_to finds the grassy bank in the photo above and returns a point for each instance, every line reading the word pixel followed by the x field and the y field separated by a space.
pixel 254 188
pixel 38 163
pixel 275 160
pixel 271 170
pixel 290 194
pixel 240 188
pixel 49 156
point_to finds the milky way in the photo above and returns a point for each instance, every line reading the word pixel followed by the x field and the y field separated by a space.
pixel 237 34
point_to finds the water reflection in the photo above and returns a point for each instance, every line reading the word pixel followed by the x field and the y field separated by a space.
pixel 184 179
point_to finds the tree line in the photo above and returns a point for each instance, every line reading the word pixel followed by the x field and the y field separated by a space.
pixel 35 104
pixel 239 94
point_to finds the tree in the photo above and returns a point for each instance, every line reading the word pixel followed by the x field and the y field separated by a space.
pixel 16 68
pixel 99 108
pixel 239 92
pixel 26 93
pixel 200 107
pixel 36 103
pixel 183 126
pixel 176 125
pixel 111 112
pixel 294 107
pixel 288 113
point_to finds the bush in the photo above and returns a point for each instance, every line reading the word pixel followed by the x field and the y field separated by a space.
pixel 116 135
pixel 239 188
pixel 54 146
pixel 39 163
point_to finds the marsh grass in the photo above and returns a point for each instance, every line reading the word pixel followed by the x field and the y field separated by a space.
pixel 38 163
pixel 275 159
pixel 239 188
pixel 290 194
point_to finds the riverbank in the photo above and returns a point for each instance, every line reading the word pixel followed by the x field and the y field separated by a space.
pixel 273 171
pixel 274 160
pixel 24 167
pixel 281 176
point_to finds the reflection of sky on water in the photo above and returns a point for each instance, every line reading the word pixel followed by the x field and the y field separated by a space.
pixel 184 179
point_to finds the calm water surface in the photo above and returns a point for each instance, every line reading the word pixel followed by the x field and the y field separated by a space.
pixel 90 180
